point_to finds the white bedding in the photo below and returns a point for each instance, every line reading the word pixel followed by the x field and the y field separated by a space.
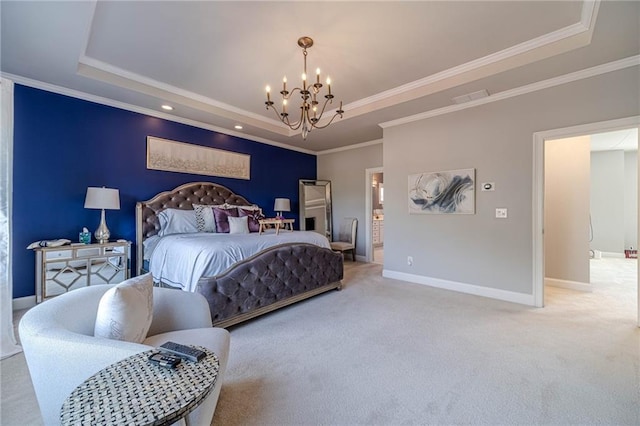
pixel 181 259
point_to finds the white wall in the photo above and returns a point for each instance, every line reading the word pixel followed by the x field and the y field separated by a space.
pixel 607 201
pixel 566 209
pixel 631 199
pixel 496 139
pixel 346 171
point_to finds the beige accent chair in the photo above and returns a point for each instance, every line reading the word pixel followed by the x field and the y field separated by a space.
pixel 346 236
pixel 61 351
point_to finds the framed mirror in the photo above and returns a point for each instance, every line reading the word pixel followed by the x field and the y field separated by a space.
pixel 315 206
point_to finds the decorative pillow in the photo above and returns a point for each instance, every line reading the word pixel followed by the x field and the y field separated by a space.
pixel 254 215
pixel 252 207
pixel 204 217
pixel 238 225
pixel 126 310
pixel 222 221
pixel 177 221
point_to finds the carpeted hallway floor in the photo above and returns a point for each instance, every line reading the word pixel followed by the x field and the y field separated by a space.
pixel 387 352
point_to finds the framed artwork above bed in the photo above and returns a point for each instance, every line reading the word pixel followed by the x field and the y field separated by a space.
pixel 172 156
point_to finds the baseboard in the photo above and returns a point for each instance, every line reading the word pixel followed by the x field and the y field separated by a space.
pixel 572 285
pixel 27 302
pixel 491 293
pixel 361 258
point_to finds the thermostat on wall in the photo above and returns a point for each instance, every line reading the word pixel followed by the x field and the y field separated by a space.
pixel 488 186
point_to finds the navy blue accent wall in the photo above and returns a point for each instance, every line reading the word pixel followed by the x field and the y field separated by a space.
pixel 62 145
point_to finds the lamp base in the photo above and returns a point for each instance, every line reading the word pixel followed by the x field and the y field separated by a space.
pixel 102 234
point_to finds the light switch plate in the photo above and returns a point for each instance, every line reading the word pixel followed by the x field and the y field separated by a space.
pixel 501 213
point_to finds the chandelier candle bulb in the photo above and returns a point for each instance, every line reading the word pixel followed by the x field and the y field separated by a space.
pixel 284 83
pixel 318 75
pixel 268 94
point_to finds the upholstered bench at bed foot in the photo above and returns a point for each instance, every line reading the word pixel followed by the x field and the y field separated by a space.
pixel 277 277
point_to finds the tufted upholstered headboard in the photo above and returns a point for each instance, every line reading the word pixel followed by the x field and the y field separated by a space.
pixel 182 197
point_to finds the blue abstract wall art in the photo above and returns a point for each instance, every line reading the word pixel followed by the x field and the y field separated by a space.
pixel 449 192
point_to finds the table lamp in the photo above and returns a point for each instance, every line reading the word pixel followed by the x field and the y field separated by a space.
pixel 281 205
pixel 104 199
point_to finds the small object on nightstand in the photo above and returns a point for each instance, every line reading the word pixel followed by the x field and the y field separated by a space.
pixel 48 243
pixel 84 236
pixel 121 241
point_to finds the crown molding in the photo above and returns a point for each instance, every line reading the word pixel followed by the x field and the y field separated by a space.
pixel 569 37
pixel 579 34
pixel 508 53
pixel 589 12
pixel 522 90
pixel 146 111
pixel 102 71
pixel 350 147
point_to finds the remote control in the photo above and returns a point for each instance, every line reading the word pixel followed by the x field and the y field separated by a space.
pixel 164 360
pixel 183 351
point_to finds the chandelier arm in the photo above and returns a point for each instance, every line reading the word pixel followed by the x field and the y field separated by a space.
pixel 290 95
pixel 284 120
pixel 326 101
pixel 330 121
pixel 275 111
pixel 297 124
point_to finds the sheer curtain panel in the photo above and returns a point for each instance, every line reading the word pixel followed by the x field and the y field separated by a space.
pixel 9 343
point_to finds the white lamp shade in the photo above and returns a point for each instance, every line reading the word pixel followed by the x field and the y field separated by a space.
pixel 282 205
pixel 102 198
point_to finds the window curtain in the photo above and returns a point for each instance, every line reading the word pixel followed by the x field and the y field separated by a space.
pixel 9 343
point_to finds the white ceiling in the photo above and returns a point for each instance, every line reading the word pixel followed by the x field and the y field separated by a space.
pixel 387 60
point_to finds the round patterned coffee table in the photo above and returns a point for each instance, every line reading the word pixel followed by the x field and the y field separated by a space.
pixel 135 391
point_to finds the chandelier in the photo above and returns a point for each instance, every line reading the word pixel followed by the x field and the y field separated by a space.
pixel 310 110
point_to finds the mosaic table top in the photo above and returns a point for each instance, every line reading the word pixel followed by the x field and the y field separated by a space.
pixel 135 391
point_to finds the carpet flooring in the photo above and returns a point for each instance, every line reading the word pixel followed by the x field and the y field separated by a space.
pixel 385 352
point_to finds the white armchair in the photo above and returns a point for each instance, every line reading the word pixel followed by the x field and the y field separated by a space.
pixel 61 351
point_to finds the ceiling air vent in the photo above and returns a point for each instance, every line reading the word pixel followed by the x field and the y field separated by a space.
pixel 470 96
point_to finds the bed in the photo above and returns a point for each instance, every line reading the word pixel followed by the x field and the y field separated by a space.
pixel 276 271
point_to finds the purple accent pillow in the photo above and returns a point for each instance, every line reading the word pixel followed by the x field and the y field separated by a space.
pixel 221 215
pixel 254 217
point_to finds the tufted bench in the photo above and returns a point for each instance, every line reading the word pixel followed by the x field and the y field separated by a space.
pixel 282 275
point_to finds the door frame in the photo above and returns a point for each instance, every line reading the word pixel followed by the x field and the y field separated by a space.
pixel 368 213
pixel 539 139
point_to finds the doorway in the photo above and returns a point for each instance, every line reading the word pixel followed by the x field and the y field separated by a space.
pixel 540 140
pixel 374 205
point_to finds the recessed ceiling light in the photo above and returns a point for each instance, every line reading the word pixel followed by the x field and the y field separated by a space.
pixel 238 127
pixel 167 107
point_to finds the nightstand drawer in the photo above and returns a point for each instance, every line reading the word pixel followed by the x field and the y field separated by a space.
pixel 89 252
pixel 59 254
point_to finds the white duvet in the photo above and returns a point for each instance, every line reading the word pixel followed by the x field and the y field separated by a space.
pixel 181 259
